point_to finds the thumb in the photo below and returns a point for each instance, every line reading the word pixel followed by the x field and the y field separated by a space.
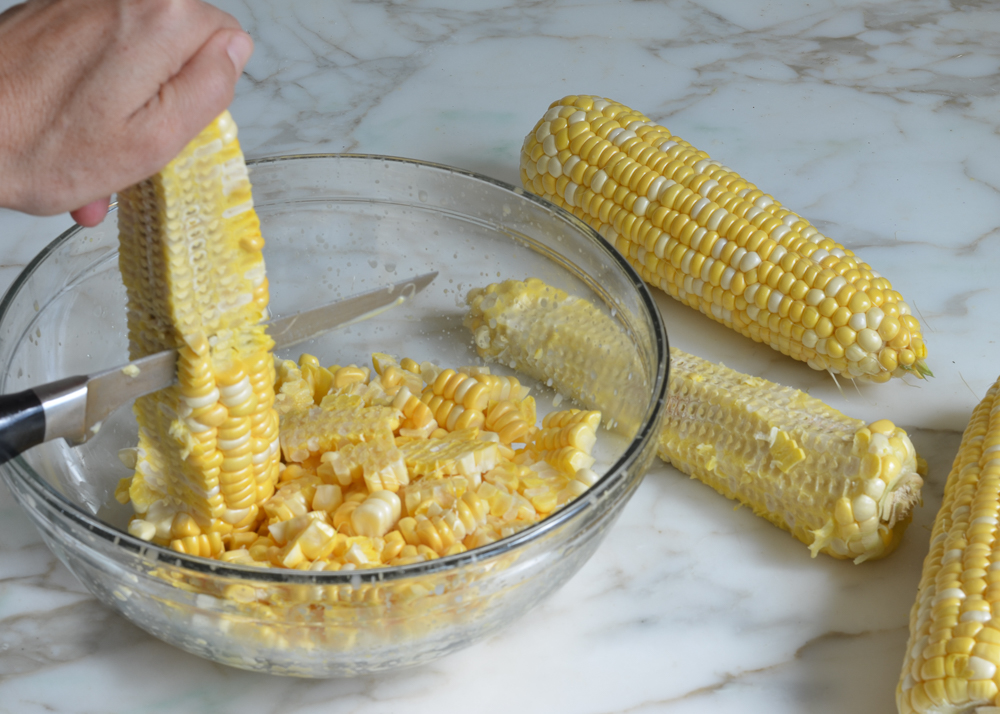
pixel 209 77
pixel 201 90
pixel 239 47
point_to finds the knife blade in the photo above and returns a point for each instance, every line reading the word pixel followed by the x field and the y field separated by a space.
pixel 74 407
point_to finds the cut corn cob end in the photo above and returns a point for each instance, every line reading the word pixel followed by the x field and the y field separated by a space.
pixel 190 257
pixel 868 520
pixel 707 237
pixel 952 659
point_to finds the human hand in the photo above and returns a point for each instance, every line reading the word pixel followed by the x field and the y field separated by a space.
pixel 96 95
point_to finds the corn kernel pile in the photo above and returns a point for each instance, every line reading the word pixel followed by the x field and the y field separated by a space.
pixel 399 465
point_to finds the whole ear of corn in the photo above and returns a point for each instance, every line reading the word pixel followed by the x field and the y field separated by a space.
pixel 712 240
pixel 953 653
pixel 840 486
pixel 190 257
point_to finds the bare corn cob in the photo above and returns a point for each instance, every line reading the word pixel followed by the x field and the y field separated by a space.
pixel 191 261
pixel 953 653
pixel 712 240
pixel 544 337
pixel 840 486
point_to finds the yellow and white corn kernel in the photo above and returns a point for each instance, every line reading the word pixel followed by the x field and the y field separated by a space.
pixel 712 240
pixel 443 491
pixel 508 420
pixel 378 462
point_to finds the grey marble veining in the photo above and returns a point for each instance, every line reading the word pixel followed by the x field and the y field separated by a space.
pixel 877 120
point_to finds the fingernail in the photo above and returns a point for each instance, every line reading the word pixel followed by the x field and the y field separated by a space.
pixel 240 48
pixel 92 214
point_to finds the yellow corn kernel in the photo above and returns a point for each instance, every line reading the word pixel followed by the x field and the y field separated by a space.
pixel 342 517
pixel 461 389
pixel 450 415
pixel 377 514
pixel 568 459
pixel 580 436
pixel 183 526
pixel 554 420
pixel 208 545
pixel 507 475
pixel 393 375
pixel 327 498
pixel 500 387
pixel 416 411
pixel 346 376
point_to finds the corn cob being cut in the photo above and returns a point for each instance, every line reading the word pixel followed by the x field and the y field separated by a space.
pixel 952 660
pixel 840 486
pixel 191 261
pixel 701 233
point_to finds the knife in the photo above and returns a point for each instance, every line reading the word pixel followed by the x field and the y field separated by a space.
pixel 73 408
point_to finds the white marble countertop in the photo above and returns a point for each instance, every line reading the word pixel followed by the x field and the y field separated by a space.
pixel 877 120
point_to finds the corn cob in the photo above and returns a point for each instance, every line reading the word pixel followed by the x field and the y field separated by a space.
pixel 540 338
pixel 953 653
pixel 712 240
pixel 192 265
pixel 841 487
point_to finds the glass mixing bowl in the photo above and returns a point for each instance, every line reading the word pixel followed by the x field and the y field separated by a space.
pixel 335 225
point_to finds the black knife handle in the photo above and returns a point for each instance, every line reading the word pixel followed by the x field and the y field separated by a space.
pixel 22 423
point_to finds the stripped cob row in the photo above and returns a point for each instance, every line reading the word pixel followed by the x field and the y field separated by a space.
pixel 190 257
pixel 952 660
pixel 840 486
pixel 712 240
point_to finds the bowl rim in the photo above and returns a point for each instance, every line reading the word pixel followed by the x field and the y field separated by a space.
pixel 215 568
